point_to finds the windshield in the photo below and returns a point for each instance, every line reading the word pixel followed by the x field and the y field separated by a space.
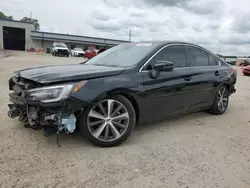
pixel 78 49
pixel 61 45
pixel 123 55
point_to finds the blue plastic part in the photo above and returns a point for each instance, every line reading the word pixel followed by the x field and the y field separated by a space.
pixel 69 123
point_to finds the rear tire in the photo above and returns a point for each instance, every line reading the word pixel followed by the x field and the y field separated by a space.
pixel 113 128
pixel 220 103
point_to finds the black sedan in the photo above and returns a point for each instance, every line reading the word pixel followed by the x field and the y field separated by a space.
pixel 126 85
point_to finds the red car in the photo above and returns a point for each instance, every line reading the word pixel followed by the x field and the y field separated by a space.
pixel 246 70
pixel 90 54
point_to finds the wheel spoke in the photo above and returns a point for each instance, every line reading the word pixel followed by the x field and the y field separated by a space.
pixel 102 109
pixel 106 135
pixel 222 106
pixel 95 123
pixel 119 124
pixel 96 115
pixel 219 93
pixel 116 110
pixel 99 130
pixel 224 99
pixel 110 107
pixel 222 94
pixel 114 131
pixel 121 116
pixel 219 102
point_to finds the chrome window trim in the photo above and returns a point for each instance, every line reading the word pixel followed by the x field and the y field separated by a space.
pixel 177 44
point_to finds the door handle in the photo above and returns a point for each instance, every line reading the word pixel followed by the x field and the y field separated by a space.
pixel 187 78
pixel 216 73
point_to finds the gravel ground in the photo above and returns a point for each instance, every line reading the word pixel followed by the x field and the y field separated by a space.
pixel 197 150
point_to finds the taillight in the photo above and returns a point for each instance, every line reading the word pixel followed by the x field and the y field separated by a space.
pixel 235 71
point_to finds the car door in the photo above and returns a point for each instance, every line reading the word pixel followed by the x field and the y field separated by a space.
pixel 205 69
pixel 167 93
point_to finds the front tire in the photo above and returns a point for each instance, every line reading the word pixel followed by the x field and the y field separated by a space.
pixel 108 122
pixel 220 103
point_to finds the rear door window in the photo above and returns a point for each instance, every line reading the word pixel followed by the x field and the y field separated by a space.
pixel 212 60
pixel 198 57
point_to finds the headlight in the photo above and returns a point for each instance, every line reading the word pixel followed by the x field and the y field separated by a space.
pixel 54 93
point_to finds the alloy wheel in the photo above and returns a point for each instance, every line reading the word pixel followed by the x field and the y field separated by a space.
pixel 108 120
pixel 222 99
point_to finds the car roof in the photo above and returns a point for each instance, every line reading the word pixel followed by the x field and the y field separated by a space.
pixel 163 43
pixel 167 42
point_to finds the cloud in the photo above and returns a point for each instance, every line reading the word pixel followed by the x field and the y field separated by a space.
pixel 99 15
pixel 221 26
pixel 168 2
pixel 196 6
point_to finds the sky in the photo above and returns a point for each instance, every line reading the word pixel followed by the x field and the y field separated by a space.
pixel 222 26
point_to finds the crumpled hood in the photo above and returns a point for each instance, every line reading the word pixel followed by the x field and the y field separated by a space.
pixel 73 72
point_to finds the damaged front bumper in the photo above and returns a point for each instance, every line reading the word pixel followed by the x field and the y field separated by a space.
pixel 56 117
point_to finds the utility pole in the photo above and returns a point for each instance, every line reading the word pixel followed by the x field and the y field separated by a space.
pixel 129 37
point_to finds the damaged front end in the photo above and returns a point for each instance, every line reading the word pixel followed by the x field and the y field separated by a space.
pixel 51 108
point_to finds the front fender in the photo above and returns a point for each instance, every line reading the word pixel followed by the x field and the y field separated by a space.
pixel 100 88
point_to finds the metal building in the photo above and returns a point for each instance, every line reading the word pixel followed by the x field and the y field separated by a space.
pixel 18 35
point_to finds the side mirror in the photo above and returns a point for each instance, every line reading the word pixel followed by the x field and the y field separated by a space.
pixel 163 66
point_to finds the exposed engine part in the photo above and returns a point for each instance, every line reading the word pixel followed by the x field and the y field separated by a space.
pixel 32 113
pixel 50 117
pixel 13 111
pixel 69 123
pixel 23 118
pixel 66 124
pixel 53 120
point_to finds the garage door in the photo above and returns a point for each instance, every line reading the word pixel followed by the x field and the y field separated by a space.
pixel 13 38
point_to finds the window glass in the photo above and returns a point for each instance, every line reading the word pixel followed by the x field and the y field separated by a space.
pixel 198 57
pixel 123 55
pixel 175 54
pixel 212 60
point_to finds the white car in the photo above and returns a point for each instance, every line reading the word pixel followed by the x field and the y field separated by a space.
pixel 59 48
pixel 78 52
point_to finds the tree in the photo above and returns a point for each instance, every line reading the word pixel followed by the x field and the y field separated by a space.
pixel 33 21
pixel 3 16
pixel 221 56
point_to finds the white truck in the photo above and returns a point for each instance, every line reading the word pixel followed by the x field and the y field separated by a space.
pixel 60 49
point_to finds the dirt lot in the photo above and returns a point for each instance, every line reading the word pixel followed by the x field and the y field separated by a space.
pixel 197 150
